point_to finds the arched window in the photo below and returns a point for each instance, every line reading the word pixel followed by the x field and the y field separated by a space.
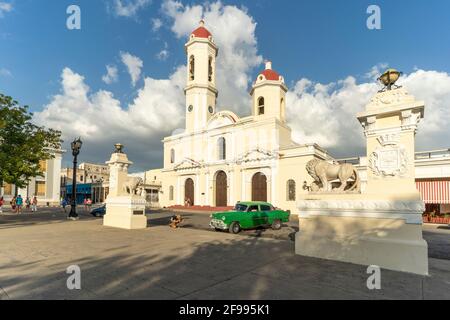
pixel 191 68
pixel 171 193
pixel 172 156
pixel 210 69
pixel 290 192
pixel 260 105
pixel 222 148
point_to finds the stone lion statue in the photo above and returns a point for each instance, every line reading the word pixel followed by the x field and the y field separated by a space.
pixel 323 172
pixel 132 184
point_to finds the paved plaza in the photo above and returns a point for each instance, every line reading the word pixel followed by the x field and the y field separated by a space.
pixel 190 263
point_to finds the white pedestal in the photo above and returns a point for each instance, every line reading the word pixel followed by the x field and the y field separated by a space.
pixel 125 212
pixel 386 233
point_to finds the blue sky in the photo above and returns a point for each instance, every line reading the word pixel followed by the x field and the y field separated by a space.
pixel 324 41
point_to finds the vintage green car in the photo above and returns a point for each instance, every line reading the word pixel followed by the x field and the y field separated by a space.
pixel 247 215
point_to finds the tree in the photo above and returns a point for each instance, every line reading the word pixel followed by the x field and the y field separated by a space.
pixel 23 144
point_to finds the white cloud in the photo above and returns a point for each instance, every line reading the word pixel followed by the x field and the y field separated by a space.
pixel 111 75
pixel 5 72
pixel 233 30
pixel 134 66
pixel 325 113
pixel 156 24
pixel 5 7
pixel 101 120
pixel 376 71
pixel 129 8
pixel 164 53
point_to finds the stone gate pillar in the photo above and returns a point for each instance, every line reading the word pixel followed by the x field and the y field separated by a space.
pixel 124 209
pixel 383 225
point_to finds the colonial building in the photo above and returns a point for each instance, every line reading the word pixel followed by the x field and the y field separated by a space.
pixel 92 182
pixel 221 158
pixel 46 187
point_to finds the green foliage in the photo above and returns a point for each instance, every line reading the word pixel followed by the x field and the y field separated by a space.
pixel 22 143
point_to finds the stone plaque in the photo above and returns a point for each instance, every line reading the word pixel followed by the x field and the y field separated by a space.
pixel 389 161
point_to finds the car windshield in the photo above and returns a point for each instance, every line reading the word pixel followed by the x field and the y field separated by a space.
pixel 240 207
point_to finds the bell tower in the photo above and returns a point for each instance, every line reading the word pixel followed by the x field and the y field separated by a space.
pixel 200 91
pixel 269 95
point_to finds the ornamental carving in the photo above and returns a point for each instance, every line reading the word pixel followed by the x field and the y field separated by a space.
pixel 391 97
pixel 391 159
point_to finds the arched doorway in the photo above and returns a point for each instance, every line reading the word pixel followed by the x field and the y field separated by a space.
pixel 189 191
pixel 259 187
pixel 221 189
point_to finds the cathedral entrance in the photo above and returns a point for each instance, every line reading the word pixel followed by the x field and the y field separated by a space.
pixel 259 187
pixel 221 189
pixel 189 192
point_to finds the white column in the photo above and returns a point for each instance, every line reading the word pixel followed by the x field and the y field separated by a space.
pixel 207 192
pixel 198 194
pixel 178 192
pixel 230 192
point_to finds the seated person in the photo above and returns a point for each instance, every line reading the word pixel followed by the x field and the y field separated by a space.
pixel 175 221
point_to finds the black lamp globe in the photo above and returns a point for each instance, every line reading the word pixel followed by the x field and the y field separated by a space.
pixel 76 146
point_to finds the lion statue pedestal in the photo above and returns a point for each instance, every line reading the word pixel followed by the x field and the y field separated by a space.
pixel 383 225
pixel 124 208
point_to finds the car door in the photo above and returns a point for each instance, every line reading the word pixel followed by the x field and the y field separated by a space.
pixel 264 213
pixel 253 215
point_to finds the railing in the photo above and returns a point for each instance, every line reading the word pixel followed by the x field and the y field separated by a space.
pixel 354 160
pixel 433 154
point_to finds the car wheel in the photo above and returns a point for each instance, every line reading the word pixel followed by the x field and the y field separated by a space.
pixel 276 225
pixel 235 228
pixel 217 229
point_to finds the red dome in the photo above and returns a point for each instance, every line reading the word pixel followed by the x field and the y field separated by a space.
pixel 201 32
pixel 270 74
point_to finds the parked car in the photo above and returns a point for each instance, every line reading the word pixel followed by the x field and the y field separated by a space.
pixel 99 212
pixel 248 215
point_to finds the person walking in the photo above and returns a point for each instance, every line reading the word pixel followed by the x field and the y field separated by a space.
pixel 85 204
pixel 64 204
pixel 2 202
pixel 34 203
pixel 89 204
pixel 19 204
pixel 28 203
pixel 13 204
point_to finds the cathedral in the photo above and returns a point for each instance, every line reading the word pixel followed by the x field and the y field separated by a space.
pixel 222 158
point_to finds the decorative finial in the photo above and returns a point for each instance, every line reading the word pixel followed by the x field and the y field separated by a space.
pixel 389 78
pixel 268 65
pixel 119 148
pixel 202 23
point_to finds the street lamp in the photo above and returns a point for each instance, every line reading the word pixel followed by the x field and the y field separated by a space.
pixel 76 146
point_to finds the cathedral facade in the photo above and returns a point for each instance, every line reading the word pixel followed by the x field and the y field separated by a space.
pixel 221 158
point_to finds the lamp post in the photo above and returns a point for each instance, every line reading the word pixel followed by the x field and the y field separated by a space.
pixel 76 146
